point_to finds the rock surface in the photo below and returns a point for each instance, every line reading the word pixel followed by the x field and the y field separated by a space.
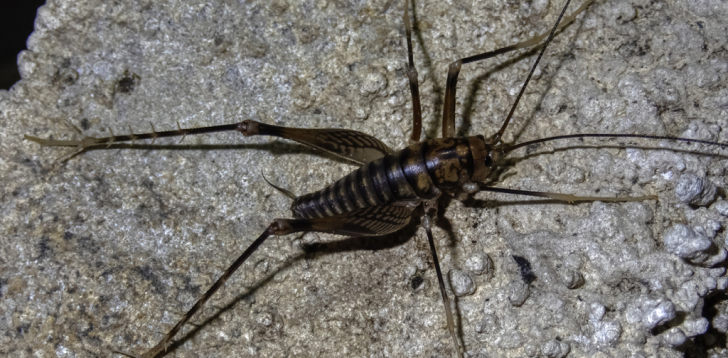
pixel 106 251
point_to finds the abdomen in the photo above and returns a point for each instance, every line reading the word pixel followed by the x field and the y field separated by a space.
pixel 411 174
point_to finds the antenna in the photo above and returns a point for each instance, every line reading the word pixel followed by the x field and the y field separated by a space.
pixel 498 135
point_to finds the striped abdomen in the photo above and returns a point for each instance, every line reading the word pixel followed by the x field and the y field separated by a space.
pixel 416 172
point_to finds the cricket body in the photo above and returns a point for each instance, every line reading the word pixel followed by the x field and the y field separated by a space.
pixel 381 197
pixel 418 172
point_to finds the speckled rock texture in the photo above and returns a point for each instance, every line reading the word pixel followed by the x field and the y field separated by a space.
pixel 106 251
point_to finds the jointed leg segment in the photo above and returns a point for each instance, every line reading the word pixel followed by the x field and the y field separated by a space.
pixel 276 228
pixel 352 145
pixel 412 76
pixel 377 220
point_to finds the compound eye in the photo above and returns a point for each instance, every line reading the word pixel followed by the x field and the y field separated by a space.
pixel 488 161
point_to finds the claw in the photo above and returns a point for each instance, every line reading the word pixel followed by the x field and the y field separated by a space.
pixel 52 142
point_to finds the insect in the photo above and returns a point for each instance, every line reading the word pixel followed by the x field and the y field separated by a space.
pixel 273 315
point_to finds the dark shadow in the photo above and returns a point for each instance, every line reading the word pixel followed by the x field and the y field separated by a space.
pixel 442 222
pixel 345 245
pixel 198 327
pixel 493 204
pixel 475 86
pixel 438 91
pixel 713 339
pixel 567 53
pixel 370 243
pixel 16 24
pixel 275 148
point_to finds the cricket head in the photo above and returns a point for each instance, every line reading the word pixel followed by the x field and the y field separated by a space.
pixel 486 157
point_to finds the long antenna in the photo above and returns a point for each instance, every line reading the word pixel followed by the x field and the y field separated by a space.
pixel 498 135
pixel 592 135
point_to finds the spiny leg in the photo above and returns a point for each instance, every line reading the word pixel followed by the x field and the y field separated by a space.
pixel 448 115
pixel 427 225
pixel 412 76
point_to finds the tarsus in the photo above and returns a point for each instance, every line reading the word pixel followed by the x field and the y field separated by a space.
pixel 89 142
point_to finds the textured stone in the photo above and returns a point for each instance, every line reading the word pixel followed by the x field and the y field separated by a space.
pixel 104 252
pixel 461 283
pixel 684 242
pixel 695 190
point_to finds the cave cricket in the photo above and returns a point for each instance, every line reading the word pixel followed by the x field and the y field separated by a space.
pixel 390 186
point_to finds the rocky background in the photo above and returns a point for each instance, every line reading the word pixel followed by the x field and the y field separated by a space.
pixel 107 250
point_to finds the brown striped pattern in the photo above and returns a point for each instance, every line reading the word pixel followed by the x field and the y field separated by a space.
pixel 375 220
pixel 401 176
pixel 356 146
pixel 416 172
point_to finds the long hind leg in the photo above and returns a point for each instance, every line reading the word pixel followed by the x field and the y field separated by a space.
pixel 371 221
pixel 352 145
pixel 276 228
